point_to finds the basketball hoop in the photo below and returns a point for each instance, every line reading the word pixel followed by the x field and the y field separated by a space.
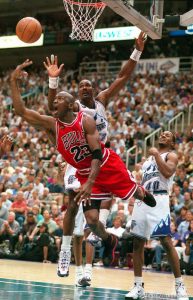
pixel 84 15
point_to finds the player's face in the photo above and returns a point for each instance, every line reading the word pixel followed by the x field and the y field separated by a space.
pixel 85 90
pixel 62 104
pixel 166 138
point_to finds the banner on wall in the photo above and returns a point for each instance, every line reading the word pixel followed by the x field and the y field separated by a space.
pixel 161 65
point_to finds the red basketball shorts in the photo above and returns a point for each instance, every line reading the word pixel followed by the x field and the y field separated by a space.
pixel 113 178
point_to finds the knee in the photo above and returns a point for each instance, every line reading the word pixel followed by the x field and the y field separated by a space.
pixel 72 209
pixel 167 244
pixel 92 220
pixel 138 245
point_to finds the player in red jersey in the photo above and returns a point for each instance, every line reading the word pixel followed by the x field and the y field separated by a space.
pixel 84 151
pixel 95 107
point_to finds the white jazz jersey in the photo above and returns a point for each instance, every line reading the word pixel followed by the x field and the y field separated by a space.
pixel 153 221
pixel 153 180
pixel 99 115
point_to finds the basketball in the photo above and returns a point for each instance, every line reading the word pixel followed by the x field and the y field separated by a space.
pixel 28 30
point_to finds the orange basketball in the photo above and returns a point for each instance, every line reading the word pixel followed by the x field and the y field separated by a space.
pixel 28 30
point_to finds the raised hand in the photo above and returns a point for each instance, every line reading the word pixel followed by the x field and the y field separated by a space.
pixel 140 41
pixel 51 66
pixel 18 73
pixel 5 144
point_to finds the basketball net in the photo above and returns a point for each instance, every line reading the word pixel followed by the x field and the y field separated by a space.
pixel 84 15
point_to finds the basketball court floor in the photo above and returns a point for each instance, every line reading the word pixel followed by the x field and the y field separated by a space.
pixel 38 281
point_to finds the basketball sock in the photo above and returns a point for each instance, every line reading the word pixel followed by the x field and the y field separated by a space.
pixel 88 270
pixel 178 280
pixel 138 280
pixel 103 215
pixel 66 242
pixel 79 272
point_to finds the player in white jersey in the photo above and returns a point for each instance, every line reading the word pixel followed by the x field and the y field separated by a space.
pixel 158 173
pixel 86 96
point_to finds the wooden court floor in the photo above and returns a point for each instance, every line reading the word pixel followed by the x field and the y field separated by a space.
pixel 37 281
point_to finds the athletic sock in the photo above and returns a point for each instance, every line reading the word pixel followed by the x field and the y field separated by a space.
pixel 66 242
pixel 178 280
pixel 79 272
pixel 138 280
pixel 88 270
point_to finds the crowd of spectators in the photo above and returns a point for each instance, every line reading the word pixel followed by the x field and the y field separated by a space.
pixel 33 199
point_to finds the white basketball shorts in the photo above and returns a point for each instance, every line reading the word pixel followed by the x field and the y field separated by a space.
pixel 151 221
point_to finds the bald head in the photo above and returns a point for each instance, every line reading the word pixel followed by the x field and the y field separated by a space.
pixel 67 96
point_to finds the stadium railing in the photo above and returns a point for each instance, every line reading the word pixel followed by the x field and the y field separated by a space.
pixel 132 149
pixel 176 122
pixel 190 110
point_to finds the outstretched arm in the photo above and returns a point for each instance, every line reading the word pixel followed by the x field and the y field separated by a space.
pixel 93 140
pixel 32 117
pixel 125 72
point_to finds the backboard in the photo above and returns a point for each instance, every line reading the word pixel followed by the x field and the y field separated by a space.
pixel 146 15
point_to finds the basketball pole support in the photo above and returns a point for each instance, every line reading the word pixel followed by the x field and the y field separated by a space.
pixel 154 31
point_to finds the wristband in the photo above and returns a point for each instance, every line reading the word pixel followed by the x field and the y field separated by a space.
pixel 135 55
pixel 53 82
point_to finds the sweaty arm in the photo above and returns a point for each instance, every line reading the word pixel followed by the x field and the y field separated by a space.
pixel 32 117
pixel 124 73
pixel 166 168
pixel 93 140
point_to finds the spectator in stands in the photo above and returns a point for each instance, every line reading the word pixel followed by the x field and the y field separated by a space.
pixel 26 230
pixel 38 186
pixel 182 216
pixel 52 226
pixel 189 250
pixel 5 200
pixel 19 206
pixel 3 212
pixel 55 213
pixel 9 230
pixel 183 227
pixel 46 198
pixel 36 212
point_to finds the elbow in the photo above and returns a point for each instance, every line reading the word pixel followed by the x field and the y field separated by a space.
pixel 20 111
pixel 168 174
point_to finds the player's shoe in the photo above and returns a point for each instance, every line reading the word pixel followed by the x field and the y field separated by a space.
pixel 137 292
pixel 94 240
pixel 64 263
pixel 82 282
pixel 149 199
pixel 109 251
pixel 181 293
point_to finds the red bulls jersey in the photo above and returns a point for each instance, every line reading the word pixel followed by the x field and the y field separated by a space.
pixel 72 144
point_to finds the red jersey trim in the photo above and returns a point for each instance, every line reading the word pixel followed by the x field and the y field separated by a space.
pixel 69 124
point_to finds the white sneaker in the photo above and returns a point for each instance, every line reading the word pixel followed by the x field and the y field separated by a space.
pixel 94 240
pixel 181 293
pixel 137 292
pixel 64 263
